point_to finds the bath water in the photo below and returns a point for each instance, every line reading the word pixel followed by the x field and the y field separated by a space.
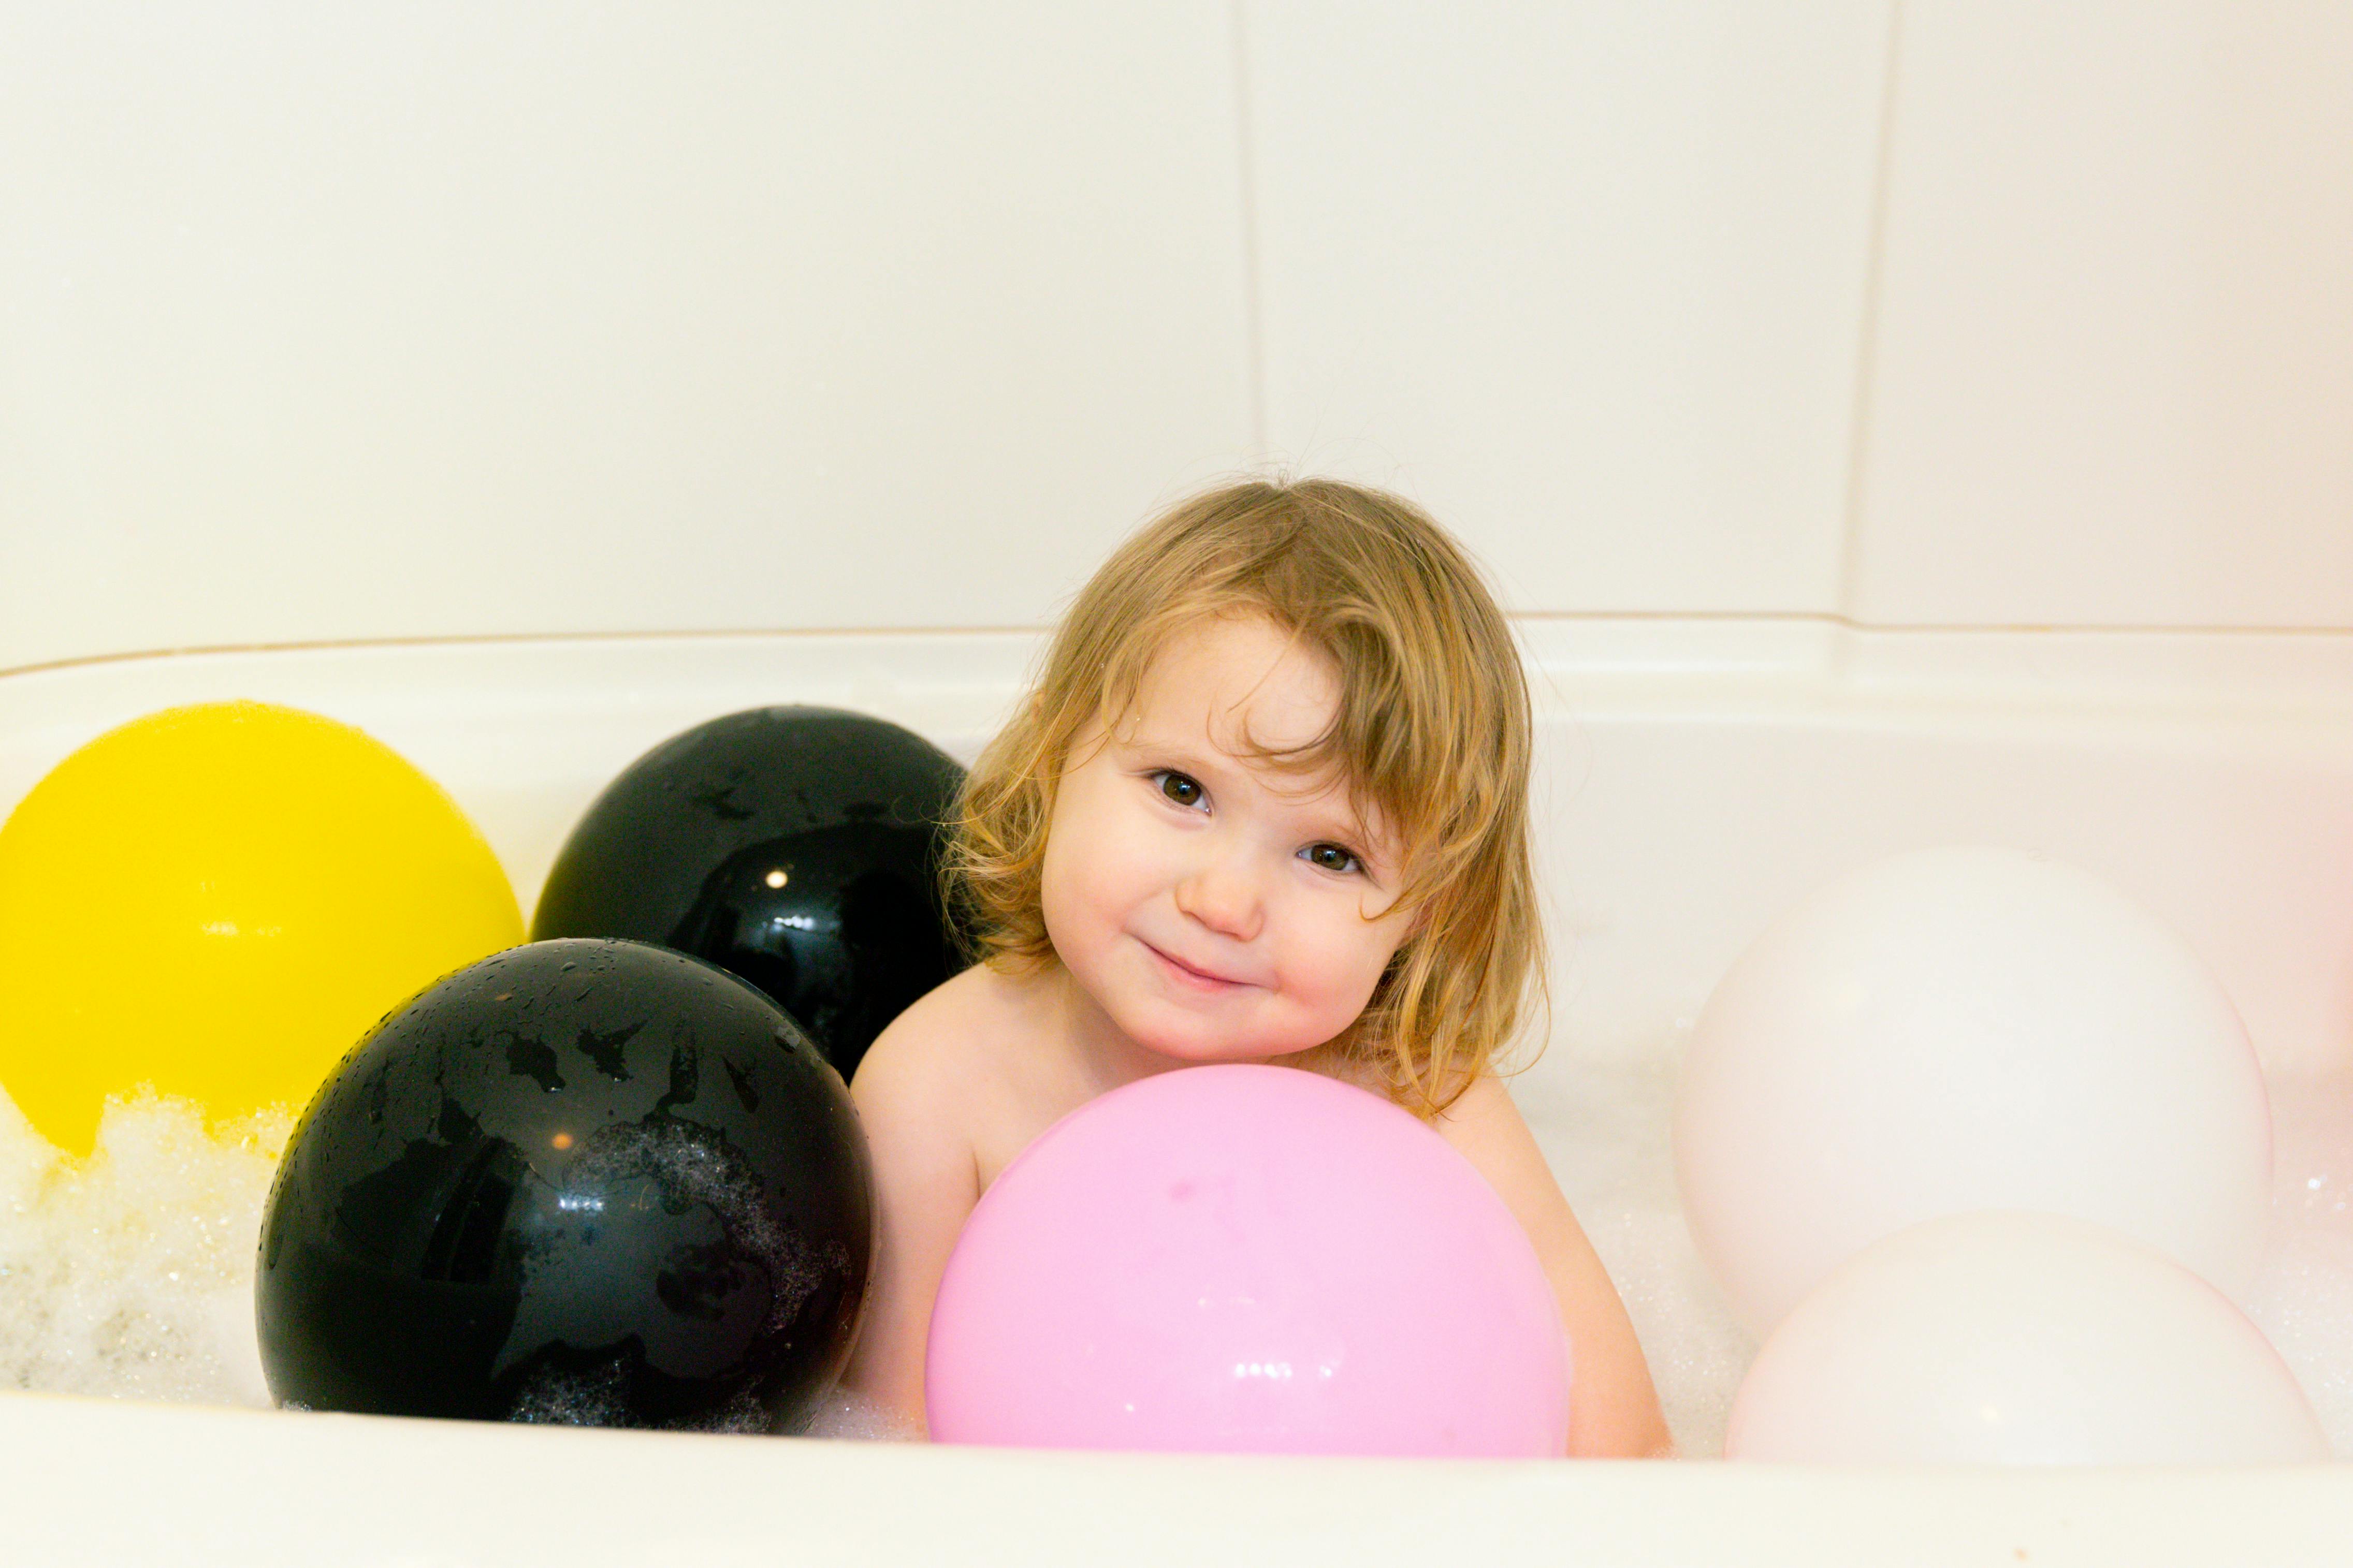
pixel 131 1275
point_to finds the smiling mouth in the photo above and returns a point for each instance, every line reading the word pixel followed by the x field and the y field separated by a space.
pixel 1199 979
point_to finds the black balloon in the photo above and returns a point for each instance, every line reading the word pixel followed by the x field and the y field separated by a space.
pixel 588 1182
pixel 798 848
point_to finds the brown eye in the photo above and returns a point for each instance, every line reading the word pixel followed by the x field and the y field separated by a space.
pixel 1178 788
pixel 1332 857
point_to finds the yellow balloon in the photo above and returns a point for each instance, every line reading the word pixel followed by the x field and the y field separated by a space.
pixel 219 900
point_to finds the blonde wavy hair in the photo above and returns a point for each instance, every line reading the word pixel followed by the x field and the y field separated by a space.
pixel 1432 729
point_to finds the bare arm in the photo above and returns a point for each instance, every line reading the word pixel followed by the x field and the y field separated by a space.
pixel 926 1184
pixel 1613 1409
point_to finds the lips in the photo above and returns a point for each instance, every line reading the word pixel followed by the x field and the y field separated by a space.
pixel 1186 974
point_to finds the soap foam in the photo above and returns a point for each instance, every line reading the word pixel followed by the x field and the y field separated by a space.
pixel 130 1274
pixel 853 1417
pixel 2302 1299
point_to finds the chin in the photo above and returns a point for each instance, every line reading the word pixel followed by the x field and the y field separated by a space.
pixel 1192 1050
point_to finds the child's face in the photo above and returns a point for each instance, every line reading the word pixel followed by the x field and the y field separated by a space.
pixel 1217 909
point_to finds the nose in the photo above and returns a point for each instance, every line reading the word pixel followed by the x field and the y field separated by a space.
pixel 1222 894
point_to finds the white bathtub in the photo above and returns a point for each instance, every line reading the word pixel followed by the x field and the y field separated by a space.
pixel 1698 776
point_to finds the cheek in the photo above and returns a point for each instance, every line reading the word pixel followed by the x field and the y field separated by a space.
pixel 1061 892
pixel 1084 875
pixel 1340 969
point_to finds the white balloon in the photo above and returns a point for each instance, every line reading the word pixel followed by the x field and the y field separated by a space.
pixel 2015 1338
pixel 1958 1029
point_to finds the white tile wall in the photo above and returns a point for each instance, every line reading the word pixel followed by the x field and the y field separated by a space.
pixel 2114 378
pixel 1587 280
pixel 354 321
pixel 372 321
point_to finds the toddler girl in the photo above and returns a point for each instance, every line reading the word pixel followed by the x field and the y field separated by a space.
pixel 1267 803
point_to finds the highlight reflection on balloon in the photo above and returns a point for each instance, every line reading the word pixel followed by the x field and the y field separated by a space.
pixel 797 847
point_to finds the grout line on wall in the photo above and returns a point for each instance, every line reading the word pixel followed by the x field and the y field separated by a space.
pixel 781 633
pixel 1867 339
pixel 1246 159
pixel 1956 629
pixel 319 644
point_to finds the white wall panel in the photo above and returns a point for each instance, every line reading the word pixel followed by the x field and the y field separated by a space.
pixel 1587 280
pixel 346 321
pixel 2114 382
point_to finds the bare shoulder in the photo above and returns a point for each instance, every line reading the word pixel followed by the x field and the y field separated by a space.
pixel 1486 1104
pixel 926 1045
pixel 1482 1113
pixel 1486 1128
pixel 924 1066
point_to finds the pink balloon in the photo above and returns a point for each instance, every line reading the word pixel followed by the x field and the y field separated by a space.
pixel 1247 1258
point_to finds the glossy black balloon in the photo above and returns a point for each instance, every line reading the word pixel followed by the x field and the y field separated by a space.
pixel 588 1181
pixel 798 848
